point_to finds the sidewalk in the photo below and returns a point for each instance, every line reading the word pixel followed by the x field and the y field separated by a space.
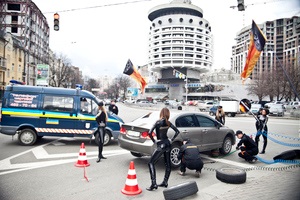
pixel 260 185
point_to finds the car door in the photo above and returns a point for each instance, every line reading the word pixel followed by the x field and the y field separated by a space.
pixel 188 127
pixel 211 136
pixel 87 114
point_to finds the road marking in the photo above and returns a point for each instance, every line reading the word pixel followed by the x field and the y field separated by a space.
pixel 40 153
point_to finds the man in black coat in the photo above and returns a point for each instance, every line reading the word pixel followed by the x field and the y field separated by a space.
pixel 113 107
pixel 190 158
pixel 249 148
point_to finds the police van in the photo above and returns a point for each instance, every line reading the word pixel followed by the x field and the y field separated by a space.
pixel 32 112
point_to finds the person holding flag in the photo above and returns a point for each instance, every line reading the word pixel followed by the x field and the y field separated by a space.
pixel 257 44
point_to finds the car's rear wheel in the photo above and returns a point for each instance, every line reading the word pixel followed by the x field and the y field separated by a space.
pixel 226 146
pixel 27 137
pixel 173 155
pixel 138 155
pixel 211 113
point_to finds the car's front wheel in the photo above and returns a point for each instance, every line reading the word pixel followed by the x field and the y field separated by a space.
pixel 226 146
pixel 138 155
pixel 107 138
pixel 173 155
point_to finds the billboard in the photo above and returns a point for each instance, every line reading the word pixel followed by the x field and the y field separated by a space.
pixel 133 92
pixel 42 75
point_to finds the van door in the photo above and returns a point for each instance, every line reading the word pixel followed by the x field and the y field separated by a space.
pixel 88 109
pixel 58 116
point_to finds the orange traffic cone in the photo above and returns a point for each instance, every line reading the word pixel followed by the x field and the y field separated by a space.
pixel 131 185
pixel 82 159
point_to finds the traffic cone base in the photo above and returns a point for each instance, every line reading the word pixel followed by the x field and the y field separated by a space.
pixel 82 158
pixel 131 185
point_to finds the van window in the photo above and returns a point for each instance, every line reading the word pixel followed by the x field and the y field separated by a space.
pixel 58 103
pixel 88 106
pixel 23 100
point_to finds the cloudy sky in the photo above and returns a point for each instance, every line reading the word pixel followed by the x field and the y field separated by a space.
pixel 99 36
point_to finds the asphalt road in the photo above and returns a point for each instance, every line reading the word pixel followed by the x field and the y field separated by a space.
pixel 46 170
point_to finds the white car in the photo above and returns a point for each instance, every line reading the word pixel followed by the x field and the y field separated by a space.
pixel 276 109
pixel 205 106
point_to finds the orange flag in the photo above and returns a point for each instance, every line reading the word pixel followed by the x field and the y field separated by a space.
pixel 257 43
pixel 131 71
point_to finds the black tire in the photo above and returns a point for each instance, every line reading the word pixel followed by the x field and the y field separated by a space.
pixel 107 138
pixel 27 137
pixel 175 163
pixel 288 155
pixel 138 155
pixel 211 113
pixel 181 190
pixel 226 146
pixel 179 107
pixel 229 114
pixel 231 175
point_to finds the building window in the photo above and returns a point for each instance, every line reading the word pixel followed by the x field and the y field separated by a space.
pixel 200 23
pixel 15 7
pixel 159 21
pixel 170 20
pixel 191 20
pixel 181 19
pixel 14 19
pixel 14 29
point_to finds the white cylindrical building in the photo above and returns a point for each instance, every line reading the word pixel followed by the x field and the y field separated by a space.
pixel 181 39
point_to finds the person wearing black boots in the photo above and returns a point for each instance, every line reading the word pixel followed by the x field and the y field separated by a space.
pixel 247 146
pixel 262 128
pixel 163 147
pixel 101 119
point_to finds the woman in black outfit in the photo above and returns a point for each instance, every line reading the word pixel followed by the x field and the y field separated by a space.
pixel 262 128
pixel 101 119
pixel 163 147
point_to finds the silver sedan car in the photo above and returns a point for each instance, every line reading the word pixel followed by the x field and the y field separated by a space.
pixel 203 131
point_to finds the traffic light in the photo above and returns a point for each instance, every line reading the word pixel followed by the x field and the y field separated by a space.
pixel 241 5
pixel 56 21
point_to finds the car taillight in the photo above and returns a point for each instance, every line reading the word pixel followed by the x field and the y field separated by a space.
pixel 122 130
pixel 145 135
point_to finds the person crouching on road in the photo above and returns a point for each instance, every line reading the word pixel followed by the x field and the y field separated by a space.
pixel 101 119
pixel 190 158
pixel 249 148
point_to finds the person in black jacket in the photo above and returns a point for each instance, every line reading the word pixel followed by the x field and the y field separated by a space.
pixel 163 147
pixel 113 107
pixel 101 119
pixel 190 158
pixel 249 148
pixel 262 128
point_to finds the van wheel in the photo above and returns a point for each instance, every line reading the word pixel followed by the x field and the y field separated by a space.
pixel 226 146
pixel 107 138
pixel 175 163
pixel 27 137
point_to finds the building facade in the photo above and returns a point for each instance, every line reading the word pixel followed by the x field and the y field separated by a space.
pixel 24 20
pixel 281 49
pixel 180 39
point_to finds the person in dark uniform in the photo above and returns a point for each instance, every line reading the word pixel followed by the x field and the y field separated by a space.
pixel 113 107
pixel 249 148
pixel 163 147
pixel 262 128
pixel 101 119
pixel 190 158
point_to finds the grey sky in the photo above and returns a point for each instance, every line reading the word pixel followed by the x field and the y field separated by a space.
pixel 100 40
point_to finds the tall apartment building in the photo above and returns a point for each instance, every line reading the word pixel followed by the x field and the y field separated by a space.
pixel 23 19
pixel 180 38
pixel 282 47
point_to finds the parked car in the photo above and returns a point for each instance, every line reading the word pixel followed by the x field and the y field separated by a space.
pixel 292 105
pixel 276 109
pixel 213 110
pixel 255 108
pixel 173 104
pixel 205 106
pixel 203 131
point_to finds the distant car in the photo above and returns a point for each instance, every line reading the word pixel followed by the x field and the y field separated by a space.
pixel 172 104
pixel 213 110
pixel 292 105
pixel 205 106
pixel 203 131
pixel 143 103
pixel 255 108
pixel 276 109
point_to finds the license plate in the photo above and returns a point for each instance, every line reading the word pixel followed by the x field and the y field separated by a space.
pixel 133 133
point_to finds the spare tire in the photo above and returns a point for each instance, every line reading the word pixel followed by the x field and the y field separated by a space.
pixel 231 175
pixel 181 190
pixel 288 155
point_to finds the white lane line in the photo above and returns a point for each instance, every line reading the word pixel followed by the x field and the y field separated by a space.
pixel 34 165
pixel 238 164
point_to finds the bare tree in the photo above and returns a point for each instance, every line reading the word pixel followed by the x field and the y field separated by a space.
pixel 60 72
pixel 258 88
pixel 124 83
pixel 90 84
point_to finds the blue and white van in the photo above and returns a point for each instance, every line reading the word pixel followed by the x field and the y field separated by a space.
pixel 32 112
